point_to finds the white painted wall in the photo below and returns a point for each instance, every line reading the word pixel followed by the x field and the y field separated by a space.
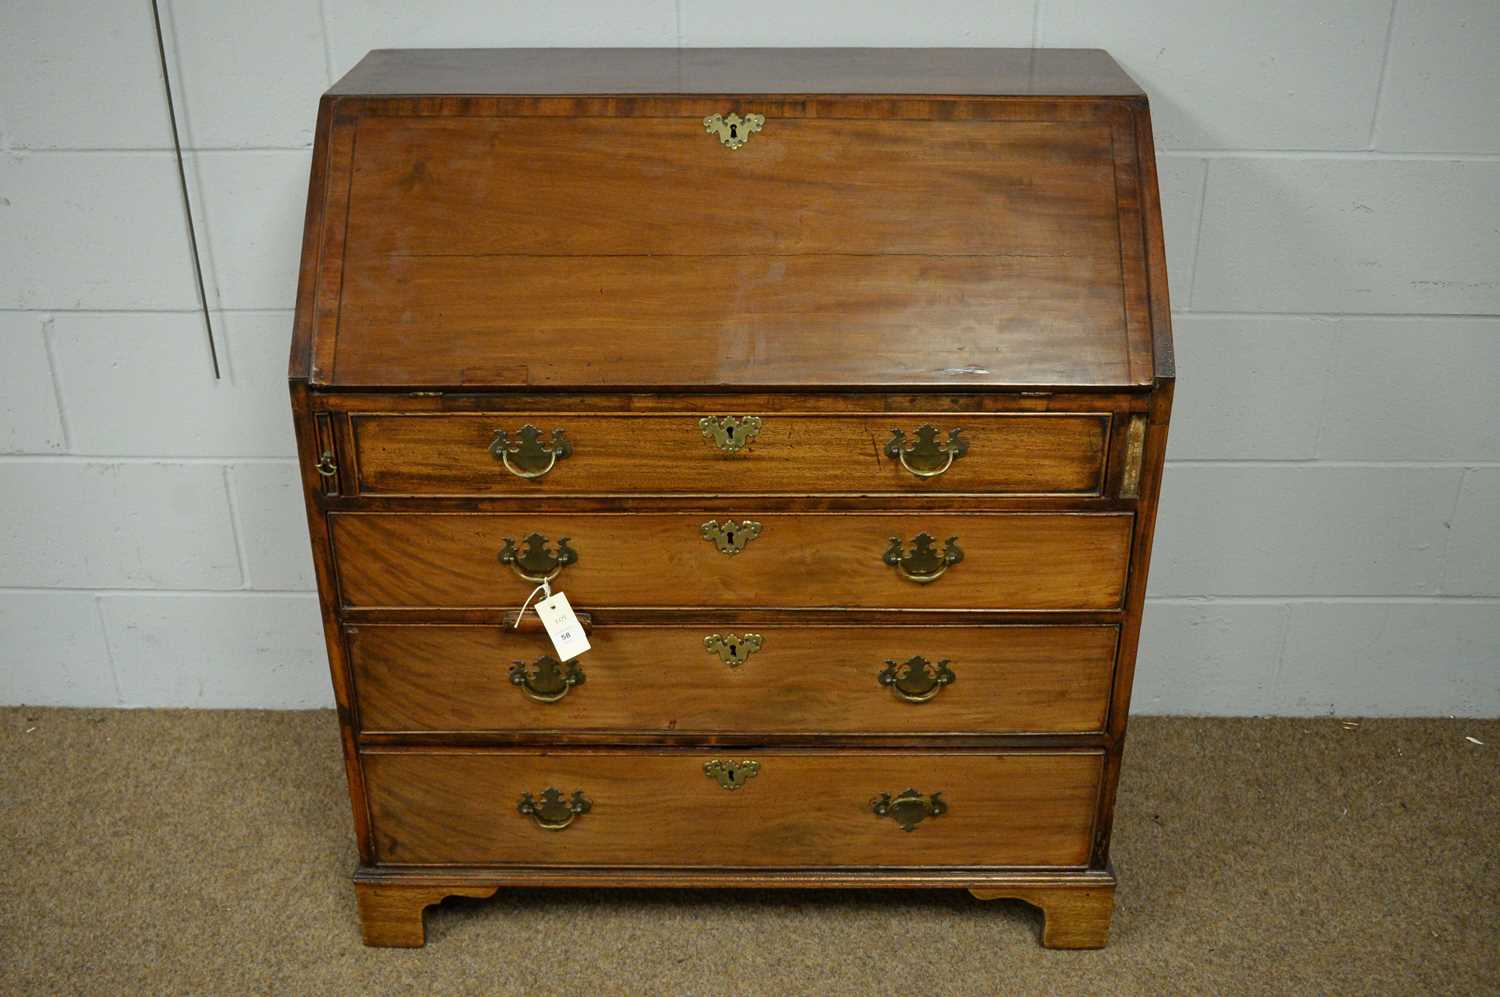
pixel 1330 533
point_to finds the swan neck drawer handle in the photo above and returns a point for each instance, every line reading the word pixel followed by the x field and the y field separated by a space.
pixel 546 681
pixel 927 456
pixel 916 680
pixel 552 812
pixel 534 562
pixel 924 564
pixel 909 808
pixel 529 457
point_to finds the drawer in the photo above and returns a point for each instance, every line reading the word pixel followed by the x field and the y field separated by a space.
pixel 794 560
pixel 464 454
pixel 753 680
pixel 799 808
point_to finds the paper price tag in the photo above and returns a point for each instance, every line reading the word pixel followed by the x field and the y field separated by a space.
pixel 562 626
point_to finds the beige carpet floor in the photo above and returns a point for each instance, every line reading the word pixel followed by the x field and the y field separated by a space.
pixel 209 852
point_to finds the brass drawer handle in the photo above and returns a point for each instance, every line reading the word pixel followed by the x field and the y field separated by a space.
pixel 548 680
pixel 325 465
pixel 733 130
pixel 537 564
pixel 730 433
pixel 916 680
pixel 733 651
pixel 554 813
pixel 927 457
pixel 731 774
pixel 530 458
pixel 909 808
pixel 924 564
pixel 730 537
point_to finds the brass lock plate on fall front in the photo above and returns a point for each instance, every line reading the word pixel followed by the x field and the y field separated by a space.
pixel 733 130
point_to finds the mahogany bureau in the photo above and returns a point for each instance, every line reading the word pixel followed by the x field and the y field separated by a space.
pixel 830 386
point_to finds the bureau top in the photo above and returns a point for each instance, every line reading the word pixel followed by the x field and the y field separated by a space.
pixel 740 71
pixel 717 219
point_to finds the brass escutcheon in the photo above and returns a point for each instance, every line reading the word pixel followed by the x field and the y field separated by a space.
pixel 537 564
pixel 548 680
pixel 731 774
pixel 916 680
pixel 909 808
pixel 733 130
pixel 928 456
pixel 924 564
pixel 731 537
pixel 733 651
pixel 554 813
pixel 730 433
pixel 530 458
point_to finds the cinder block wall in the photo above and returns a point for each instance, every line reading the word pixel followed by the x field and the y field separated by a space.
pixel 1330 537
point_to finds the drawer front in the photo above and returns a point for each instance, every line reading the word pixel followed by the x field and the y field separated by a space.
pixel 752 680
pixel 461 454
pixel 1009 560
pixel 799 808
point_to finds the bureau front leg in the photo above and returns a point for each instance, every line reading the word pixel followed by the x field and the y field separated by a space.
pixel 1073 917
pixel 390 914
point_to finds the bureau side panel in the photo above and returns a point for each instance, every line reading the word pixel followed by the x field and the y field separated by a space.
pixel 1150 459
pixel 310 450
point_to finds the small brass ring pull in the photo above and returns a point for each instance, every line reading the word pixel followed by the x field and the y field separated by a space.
pixel 325 466
pixel 733 130
pixel 530 457
pixel 909 808
pixel 925 564
pixel 730 433
pixel 927 456
pixel 916 680
pixel 730 537
pixel 536 563
pixel 548 680
pixel 552 812
pixel 731 774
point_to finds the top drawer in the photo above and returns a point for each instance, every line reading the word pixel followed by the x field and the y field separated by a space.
pixel 698 454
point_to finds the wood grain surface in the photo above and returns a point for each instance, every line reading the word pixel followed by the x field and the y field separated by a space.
pixel 668 454
pixel 801 680
pixel 542 186
pixel 435 807
pixel 1012 560
pixel 732 321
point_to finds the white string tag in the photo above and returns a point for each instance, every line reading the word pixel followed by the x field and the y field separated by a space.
pixel 561 623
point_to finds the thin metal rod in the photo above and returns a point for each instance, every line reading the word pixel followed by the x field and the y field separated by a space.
pixel 187 203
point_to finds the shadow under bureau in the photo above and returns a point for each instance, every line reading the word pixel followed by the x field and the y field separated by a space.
pixel 832 388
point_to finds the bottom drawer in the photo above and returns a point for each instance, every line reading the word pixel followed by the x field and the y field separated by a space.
pixel 798 808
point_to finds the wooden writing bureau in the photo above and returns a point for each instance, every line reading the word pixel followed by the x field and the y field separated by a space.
pixel 832 388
